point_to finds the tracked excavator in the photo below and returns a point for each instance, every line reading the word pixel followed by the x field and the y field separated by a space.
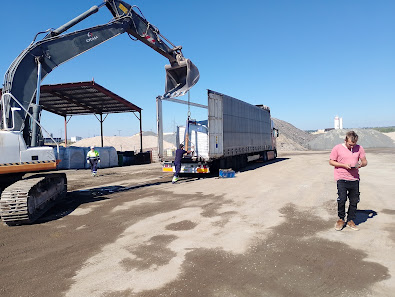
pixel 24 199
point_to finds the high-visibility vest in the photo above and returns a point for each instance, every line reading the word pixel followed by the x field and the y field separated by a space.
pixel 92 155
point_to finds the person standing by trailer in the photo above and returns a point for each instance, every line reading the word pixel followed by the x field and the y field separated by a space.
pixel 93 158
pixel 180 152
pixel 347 158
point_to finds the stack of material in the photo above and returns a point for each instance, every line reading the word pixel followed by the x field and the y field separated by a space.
pixel 391 135
pixel 291 138
pixel 368 138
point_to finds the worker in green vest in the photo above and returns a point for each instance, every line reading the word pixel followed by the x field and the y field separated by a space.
pixel 93 158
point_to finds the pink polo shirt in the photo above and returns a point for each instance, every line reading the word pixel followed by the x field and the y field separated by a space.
pixel 342 154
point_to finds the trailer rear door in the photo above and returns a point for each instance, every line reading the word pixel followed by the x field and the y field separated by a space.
pixel 215 125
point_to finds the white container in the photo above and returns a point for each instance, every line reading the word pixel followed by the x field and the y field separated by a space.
pixel 62 163
pixel 104 157
pixel 74 158
pixel 113 156
pixel 198 138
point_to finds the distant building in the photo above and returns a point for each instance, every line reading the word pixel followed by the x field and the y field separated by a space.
pixel 319 131
pixel 49 140
pixel 75 138
pixel 338 123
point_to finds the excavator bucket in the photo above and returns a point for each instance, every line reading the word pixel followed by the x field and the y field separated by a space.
pixel 180 78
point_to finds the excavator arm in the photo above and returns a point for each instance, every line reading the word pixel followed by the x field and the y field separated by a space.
pixel 41 57
pixel 181 74
pixel 23 200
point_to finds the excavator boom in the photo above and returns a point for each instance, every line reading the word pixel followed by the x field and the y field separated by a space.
pixel 56 48
pixel 23 200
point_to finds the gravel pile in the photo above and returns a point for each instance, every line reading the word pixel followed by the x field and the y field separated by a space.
pixel 368 138
pixel 291 138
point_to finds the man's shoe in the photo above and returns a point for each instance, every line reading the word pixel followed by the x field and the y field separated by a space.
pixel 352 225
pixel 339 225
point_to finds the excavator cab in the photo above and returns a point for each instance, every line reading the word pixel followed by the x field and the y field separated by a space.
pixel 180 77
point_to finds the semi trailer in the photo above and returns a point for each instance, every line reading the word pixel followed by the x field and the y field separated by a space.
pixel 234 134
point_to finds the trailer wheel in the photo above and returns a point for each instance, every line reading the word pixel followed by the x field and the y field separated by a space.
pixel 244 160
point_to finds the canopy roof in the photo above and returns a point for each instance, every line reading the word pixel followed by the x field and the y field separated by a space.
pixel 83 98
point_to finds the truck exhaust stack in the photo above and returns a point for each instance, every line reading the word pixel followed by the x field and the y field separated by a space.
pixel 180 77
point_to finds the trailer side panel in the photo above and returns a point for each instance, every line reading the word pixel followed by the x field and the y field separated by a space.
pixel 242 127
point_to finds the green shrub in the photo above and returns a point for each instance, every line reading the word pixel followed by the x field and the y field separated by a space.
pixel 385 129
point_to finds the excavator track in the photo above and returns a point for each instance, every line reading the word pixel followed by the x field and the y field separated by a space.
pixel 26 200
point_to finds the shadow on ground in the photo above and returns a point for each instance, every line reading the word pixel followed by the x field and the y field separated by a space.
pixel 260 163
pixel 363 215
pixel 74 199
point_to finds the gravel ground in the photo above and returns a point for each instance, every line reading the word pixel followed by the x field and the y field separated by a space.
pixel 267 232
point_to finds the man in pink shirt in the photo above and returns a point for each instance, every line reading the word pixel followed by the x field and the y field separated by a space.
pixel 347 158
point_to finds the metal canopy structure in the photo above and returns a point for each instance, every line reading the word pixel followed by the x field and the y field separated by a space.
pixel 83 98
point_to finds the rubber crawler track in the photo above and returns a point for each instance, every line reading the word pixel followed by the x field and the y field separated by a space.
pixel 26 200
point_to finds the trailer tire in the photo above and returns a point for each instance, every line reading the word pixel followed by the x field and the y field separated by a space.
pixel 244 160
pixel 237 163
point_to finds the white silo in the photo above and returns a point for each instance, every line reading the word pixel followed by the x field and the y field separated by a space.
pixel 340 123
pixel 337 123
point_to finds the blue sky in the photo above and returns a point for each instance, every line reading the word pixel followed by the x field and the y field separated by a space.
pixel 308 60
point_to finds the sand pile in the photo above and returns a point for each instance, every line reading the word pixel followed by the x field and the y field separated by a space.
pixel 368 138
pixel 122 143
pixel 390 135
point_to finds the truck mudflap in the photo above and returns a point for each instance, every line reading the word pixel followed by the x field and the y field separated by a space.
pixel 271 155
pixel 186 167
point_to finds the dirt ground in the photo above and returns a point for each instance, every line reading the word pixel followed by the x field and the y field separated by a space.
pixel 267 232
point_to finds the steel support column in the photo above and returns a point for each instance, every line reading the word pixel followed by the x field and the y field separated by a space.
pixel 101 120
pixel 65 131
pixel 141 134
pixel 101 129
pixel 159 125
pixel 66 121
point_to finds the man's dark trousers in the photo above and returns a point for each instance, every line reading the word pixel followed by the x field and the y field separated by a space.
pixel 93 163
pixel 350 189
pixel 177 168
